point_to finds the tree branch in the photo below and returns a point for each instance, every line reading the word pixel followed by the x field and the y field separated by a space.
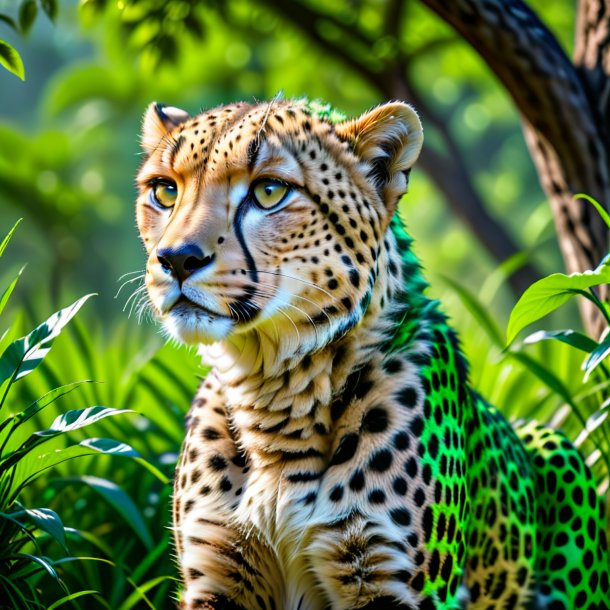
pixel 449 172
pixel 564 135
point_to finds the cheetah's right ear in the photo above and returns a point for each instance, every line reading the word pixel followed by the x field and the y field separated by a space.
pixel 389 138
pixel 159 120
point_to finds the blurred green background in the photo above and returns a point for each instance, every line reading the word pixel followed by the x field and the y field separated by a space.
pixel 68 155
pixel 69 133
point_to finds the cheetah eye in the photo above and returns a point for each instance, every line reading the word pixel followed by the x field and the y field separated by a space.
pixel 164 193
pixel 270 193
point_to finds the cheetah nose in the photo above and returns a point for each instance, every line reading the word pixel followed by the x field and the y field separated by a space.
pixel 184 260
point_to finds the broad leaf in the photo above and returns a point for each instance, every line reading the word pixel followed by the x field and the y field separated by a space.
pixel 78 418
pixel 596 357
pixel 27 15
pixel 24 355
pixel 124 505
pixel 48 521
pixel 110 446
pixel 50 8
pixel 569 336
pixel 9 21
pixel 11 60
pixel 44 562
pixel 549 293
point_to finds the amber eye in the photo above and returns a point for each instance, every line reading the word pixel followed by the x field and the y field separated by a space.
pixel 270 193
pixel 164 193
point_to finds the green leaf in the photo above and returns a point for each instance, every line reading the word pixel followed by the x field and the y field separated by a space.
pixel 549 293
pixel 24 355
pixel 78 418
pixel 596 357
pixel 50 8
pixel 6 295
pixel 48 521
pixel 11 60
pixel 8 236
pixel 44 562
pixel 598 206
pixel 68 598
pixel 141 590
pixel 123 504
pixel 27 15
pixel 569 336
pixel 545 375
pixel 109 446
pixel 478 311
pixel 9 21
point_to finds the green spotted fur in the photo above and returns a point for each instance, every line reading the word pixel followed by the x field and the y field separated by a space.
pixel 522 498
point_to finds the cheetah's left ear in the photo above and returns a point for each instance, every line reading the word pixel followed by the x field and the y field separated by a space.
pixel 160 120
pixel 388 137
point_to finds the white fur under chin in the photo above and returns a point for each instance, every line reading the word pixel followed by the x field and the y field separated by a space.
pixel 197 328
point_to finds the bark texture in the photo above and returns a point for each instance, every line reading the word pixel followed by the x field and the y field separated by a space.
pixel 564 109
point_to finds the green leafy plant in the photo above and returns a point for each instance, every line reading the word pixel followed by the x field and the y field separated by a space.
pixel 551 292
pixel 545 296
pixel 543 385
pixel 26 454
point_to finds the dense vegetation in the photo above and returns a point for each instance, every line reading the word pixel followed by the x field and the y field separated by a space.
pixel 95 528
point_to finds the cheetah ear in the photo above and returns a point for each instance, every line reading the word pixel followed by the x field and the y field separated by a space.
pixel 389 138
pixel 159 120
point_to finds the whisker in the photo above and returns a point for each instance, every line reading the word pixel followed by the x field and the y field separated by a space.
pixel 298 279
pixel 285 303
pixel 133 279
pixel 138 291
pixel 138 272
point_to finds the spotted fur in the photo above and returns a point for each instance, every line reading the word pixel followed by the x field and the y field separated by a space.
pixel 336 457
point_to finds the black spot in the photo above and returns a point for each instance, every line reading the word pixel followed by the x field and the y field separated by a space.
pixel 433 446
pixel 377 496
pixel 225 484
pixel 417 426
pixel 217 462
pixel 210 434
pixel 411 467
pixel 407 397
pixel 375 420
pixel 401 516
pixel 336 493
pixel 392 365
pixel 356 483
pixel 401 441
pixel 400 486
pixel 381 460
pixel 346 449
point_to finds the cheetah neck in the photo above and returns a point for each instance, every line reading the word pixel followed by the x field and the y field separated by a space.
pixel 271 383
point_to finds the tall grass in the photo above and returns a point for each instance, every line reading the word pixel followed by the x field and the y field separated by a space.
pixel 109 547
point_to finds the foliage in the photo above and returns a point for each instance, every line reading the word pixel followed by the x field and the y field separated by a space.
pixel 34 542
pixel 68 153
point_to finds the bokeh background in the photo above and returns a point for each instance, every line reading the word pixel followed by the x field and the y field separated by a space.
pixel 69 152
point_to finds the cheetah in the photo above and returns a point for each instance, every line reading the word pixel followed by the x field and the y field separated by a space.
pixel 336 456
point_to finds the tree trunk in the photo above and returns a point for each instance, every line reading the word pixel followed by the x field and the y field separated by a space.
pixel 563 106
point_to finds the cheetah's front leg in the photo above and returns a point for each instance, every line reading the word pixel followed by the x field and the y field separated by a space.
pixel 221 570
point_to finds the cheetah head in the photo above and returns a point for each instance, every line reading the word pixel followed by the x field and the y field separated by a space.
pixel 268 217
